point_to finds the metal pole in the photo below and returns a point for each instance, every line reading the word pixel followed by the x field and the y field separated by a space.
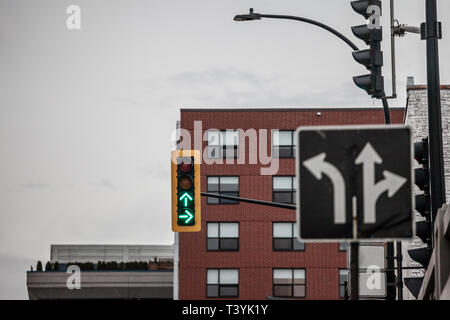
pixel 387 117
pixel 437 182
pixel 399 271
pixel 254 201
pixel 390 275
pixel 354 270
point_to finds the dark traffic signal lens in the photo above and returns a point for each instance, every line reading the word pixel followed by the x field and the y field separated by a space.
pixel 185 182
pixel 185 167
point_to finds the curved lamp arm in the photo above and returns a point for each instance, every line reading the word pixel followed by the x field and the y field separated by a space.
pixel 258 16
pixel 316 23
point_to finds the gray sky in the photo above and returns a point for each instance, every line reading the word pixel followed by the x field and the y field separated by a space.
pixel 86 116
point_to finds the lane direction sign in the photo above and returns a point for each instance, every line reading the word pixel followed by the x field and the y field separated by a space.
pixel 354 182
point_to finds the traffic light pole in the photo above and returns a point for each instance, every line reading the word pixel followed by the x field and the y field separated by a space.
pixel 436 165
pixel 387 117
pixel 390 275
pixel 399 271
pixel 254 201
pixel 354 270
pixel 390 264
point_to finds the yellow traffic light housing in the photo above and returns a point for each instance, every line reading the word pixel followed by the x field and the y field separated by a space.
pixel 186 197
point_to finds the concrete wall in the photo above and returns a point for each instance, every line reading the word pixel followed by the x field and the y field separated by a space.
pixel 102 285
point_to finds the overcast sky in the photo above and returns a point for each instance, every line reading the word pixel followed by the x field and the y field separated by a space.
pixel 86 115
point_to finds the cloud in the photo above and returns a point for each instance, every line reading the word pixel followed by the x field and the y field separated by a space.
pixel 103 183
pixel 236 88
pixel 218 75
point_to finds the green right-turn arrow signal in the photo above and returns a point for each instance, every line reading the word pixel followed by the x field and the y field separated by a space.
pixel 188 216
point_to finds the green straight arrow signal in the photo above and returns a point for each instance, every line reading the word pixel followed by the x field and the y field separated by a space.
pixel 188 215
pixel 186 197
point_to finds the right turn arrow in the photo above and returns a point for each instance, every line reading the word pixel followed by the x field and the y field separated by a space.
pixel 372 191
pixel 188 216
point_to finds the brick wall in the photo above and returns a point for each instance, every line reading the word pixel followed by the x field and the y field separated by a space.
pixel 255 258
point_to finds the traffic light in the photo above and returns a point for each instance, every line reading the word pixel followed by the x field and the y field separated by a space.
pixel 423 201
pixel 372 58
pixel 186 192
pixel 423 228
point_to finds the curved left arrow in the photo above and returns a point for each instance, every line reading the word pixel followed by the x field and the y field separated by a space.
pixel 317 165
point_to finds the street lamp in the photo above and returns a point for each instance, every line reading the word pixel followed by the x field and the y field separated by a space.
pixel 257 16
pixel 247 17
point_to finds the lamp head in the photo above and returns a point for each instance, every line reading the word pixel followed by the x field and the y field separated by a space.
pixel 247 17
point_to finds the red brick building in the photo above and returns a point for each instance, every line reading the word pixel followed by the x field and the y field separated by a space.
pixel 248 251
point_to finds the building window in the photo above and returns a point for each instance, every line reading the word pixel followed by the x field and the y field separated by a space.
pixel 223 185
pixel 284 189
pixel 343 246
pixel 285 237
pixel 223 144
pixel 222 236
pixel 283 143
pixel 343 273
pixel 222 283
pixel 289 283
